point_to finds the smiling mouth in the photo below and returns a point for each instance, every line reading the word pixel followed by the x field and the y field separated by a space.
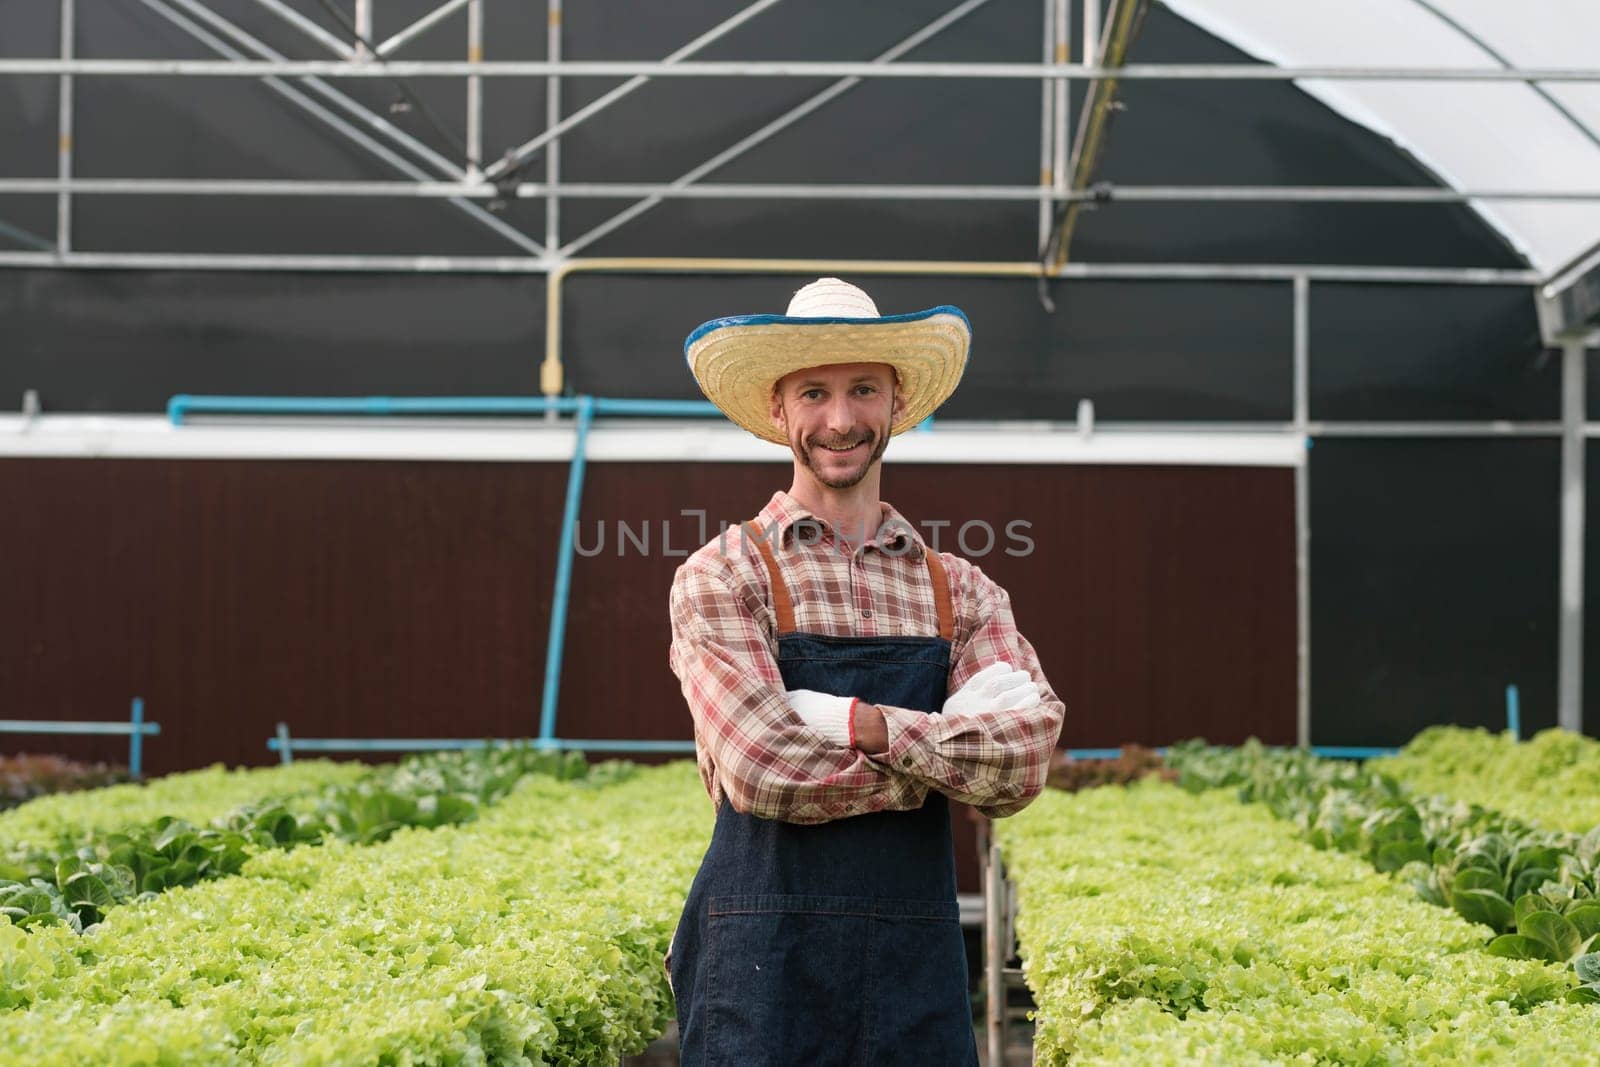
pixel 842 451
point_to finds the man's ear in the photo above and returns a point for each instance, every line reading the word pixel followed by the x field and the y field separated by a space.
pixel 898 407
pixel 775 411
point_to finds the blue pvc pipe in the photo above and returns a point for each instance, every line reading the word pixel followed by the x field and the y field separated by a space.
pixel 1514 712
pixel 184 404
pixel 558 605
pixel 440 744
pixel 53 726
pixel 281 744
pixel 623 406
pixel 136 739
pixel 1327 751
pixel 612 745
pixel 377 744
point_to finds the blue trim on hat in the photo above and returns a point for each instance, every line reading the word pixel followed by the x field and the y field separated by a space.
pixel 801 320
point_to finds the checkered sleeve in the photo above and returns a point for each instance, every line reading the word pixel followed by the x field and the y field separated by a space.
pixel 752 748
pixel 995 761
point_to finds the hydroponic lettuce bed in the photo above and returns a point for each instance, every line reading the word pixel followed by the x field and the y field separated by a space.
pixel 1279 908
pixel 514 907
pixel 532 932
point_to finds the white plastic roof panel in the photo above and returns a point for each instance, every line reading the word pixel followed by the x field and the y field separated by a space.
pixel 1476 136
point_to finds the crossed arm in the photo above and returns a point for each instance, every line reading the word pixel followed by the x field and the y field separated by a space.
pixel 769 762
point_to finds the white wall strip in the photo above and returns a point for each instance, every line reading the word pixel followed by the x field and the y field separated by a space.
pixel 154 437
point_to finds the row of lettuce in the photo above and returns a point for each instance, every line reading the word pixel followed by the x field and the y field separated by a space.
pixel 1177 925
pixel 70 858
pixel 532 934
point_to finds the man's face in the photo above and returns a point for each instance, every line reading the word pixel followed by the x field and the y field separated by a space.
pixel 837 418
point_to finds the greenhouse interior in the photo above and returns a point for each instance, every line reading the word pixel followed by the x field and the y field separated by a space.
pixel 1170 648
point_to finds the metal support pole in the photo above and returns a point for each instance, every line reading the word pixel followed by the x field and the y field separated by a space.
pixel 1047 125
pixel 474 91
pixel 64 142
pixel 1091 33
pixel 285 749
pixel 1060 53
pixel 552 116
pixel 1569 713
pixel 136 739
pixel 994 951
pixel 1302 509
pixel 363 28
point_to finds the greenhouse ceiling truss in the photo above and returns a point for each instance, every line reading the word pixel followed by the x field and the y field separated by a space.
pixel 1568 301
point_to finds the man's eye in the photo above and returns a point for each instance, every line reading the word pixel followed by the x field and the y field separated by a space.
pixel 811 394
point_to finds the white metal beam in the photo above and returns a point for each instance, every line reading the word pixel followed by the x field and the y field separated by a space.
pixel 1259 272
pixel 722 29
pixel 531 439
pixel 64 151
pixel 300 99
pixel 776 191
pixel 417 68
pixel 1302 509
pixel 363 28
pixel 552 116
pixel 1047 126
pixel 309 28
pixel 474 89
pixel 775 127
pixel 1569 708
pixel 424 24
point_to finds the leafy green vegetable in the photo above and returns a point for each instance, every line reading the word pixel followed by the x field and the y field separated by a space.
pixel 1535 887
pixel 533 934
pixel 426 790
pixel 1547 781
pixel 1164 927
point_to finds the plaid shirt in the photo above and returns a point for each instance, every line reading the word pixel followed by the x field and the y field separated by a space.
pixel 755 751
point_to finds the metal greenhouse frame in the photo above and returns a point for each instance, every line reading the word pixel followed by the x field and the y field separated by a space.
pixel 1566 300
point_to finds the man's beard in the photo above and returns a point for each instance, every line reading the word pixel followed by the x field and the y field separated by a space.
pixel 803 454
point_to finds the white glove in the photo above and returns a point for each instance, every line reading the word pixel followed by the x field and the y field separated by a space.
pixel 998 687
pixel 825 713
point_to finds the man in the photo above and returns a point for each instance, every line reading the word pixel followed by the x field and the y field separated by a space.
pixel 818 648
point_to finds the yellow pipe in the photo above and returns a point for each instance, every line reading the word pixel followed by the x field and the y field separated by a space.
pixel 552 374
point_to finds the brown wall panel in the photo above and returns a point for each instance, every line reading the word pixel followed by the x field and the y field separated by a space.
pixel 348 598
pixel 386 599
pixel 1160 599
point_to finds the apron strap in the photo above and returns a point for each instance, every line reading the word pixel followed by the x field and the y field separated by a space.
pixel 941 593
pixel 782 605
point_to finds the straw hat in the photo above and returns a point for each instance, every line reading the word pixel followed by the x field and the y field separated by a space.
pixel 737 360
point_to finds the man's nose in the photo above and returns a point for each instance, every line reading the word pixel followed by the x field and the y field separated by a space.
pixel 841 417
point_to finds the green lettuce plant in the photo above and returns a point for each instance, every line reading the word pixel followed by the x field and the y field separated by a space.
pixel 533 934
pixel 1171 927
pixel 1490 868
pixel 1547 781
pixel 77 885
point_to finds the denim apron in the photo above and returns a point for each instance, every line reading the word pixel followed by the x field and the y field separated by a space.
pixel 838 943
